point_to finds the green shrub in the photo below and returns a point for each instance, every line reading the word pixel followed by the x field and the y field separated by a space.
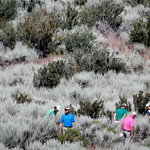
pixel 68 18
pixel 80 2
pixel 8 9
pixel 140 102
pixel 93 110
pixel 79 40
pixel 124 100
pixel 141 32
pixel 134 3
pixel 8 36
pixel 38 30
pixel 108 11
pixel 19 98
pixel 72 135
pixel 49 76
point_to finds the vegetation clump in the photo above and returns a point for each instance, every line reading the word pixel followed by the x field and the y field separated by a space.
pixel 19 98
pixel 141 32
pixel 134 3
pixel 140 102
pixel 72 135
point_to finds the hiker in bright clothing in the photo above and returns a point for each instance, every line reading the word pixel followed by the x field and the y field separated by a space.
pixel 67 120
pixel 53 112
pixel 127 126
pixel 120 113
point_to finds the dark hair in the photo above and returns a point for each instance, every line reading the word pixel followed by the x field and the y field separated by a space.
pixel 55 107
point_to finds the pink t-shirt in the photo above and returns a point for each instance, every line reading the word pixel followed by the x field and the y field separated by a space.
pixel 127 123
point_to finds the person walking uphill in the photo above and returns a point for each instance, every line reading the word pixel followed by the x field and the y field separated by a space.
pixel 120 113
pixel 67 120
pixel 53 112
pixel 127 126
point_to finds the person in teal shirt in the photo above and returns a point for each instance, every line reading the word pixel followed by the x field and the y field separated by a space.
pixel 120 113
pixel 53 112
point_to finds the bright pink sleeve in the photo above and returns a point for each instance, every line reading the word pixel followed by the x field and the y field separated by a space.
pixel 132 123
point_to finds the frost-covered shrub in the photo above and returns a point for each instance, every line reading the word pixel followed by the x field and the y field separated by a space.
pixel 8 36
pixel 134 3
pixel 140 101
pixel 106 11
pixel 8 9
pixel 80 2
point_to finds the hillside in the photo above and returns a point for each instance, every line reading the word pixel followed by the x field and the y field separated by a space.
pixel 91 55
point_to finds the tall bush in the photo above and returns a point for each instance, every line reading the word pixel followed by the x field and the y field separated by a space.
pixel 8 9
pixel 141 32
pixel 134 3
pixel 38 30
pixel 140 101
pixel 106 11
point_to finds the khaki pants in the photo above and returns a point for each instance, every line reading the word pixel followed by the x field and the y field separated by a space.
pixel 127 136
pixel 65 128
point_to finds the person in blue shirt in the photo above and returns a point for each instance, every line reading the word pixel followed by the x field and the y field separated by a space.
pixel 67 120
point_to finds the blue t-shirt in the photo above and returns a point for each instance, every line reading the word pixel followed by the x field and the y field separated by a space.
pixel 67 120
pixel 148 112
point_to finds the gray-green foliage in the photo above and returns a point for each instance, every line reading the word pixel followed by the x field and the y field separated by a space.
pixel 141 32
pixel 19 98
pixel 80 2
pixel 8 9
pixel 140 101
pixel 106 11
pixel 80 40
pixel 134 3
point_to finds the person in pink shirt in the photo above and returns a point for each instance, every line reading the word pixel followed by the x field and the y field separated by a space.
pixel 127 126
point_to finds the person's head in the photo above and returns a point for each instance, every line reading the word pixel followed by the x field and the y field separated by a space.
pixel 133 114
pixel 124 105
pixel 148 106
pixel 67 110
pixel 56 108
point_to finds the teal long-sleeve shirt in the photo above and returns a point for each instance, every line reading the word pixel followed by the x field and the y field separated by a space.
pixel 50 112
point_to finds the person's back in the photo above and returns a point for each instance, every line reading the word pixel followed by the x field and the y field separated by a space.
pixel 128 122
pixel 120 112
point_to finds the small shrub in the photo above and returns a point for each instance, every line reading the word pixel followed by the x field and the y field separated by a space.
pixel 72 135
pixel 8 9
pixel 134 3
pixel 80 2
pixel 140 102
pixel 68 18
pixel 109 114
pixel 8 36
pixel 38 30
pixel 111 130
pixel 141 32
pixel 124 100
pixel 108 11
pixel 93 110
pixel 50 76
pixel 80 40
pixel 19 98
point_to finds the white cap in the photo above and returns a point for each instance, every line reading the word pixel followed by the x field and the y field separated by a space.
pixel 58 107
pixel 67 107
pixel 124 104
pixel 147 105
pixel 133 113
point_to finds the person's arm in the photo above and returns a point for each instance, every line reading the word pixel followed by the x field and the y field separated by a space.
pixel 74 125
pixel 121 128
pixel 60 127
pixel 114 116
pixel 123 117
pixel 131 128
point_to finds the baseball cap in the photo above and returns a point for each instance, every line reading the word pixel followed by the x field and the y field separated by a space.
pixel 67 107
pixel 124 104
pixel 147 105
pixel 133 113
pixel 58 107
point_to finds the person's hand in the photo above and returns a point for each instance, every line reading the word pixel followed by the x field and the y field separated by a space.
pixel 60 131
pixel 121 131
